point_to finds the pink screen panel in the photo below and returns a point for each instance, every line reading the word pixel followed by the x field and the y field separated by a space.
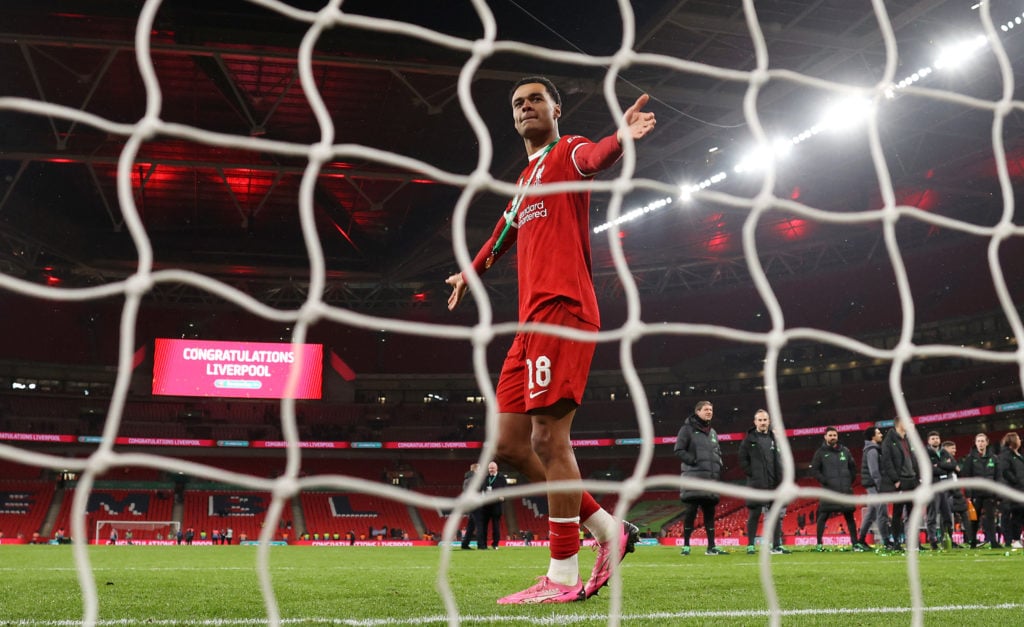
pixel 235 369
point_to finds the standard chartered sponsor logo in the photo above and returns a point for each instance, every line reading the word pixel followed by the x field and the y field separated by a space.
pixel 536 210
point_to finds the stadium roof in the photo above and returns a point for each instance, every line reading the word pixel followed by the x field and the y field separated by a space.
pixel 230 67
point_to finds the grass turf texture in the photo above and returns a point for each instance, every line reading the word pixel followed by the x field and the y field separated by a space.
pixel 395 586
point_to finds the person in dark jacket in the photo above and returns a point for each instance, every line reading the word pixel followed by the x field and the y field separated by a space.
pixel 473 517
pixel 981 463
pixel 957 500
pixel 833 467
pixel 940 511
pixel 871 479
pixel 759 458
pixel 899 474
pixel 697 447
pixel 1011 473
pixel 490 514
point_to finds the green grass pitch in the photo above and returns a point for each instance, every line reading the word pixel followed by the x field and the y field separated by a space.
pixel 204 585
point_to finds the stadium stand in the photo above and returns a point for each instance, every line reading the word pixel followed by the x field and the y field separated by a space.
pixel 24 504
pixel 243 512
pixel 128 504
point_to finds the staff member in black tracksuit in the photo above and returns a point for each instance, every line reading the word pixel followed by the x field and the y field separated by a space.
pixel 871 479
pixel 697 447
pixel 833 467
pixel 899 474
pixel 982 464
pixel 759 458
pixel 940 511
pixel 957 499
pixel 1011 473
pixel 473 517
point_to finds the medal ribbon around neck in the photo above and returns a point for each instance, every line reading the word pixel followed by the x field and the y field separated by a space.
pixel 517 200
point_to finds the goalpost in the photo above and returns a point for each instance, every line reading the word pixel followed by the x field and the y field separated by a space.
pixel 150 530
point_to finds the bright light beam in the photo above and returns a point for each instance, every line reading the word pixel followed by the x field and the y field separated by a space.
pixel 846 114
pixel 842 116
pixel 955 55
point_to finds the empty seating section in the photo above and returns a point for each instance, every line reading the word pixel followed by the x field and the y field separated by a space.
pixel 241 511
pixel 266 467
pixel 364 468
pixel 329 513
pixel 23 506
pixel 531 513
pixel 651 511
pixel 392 514
pixel 115 504
pixel 13 470
pixel 434 519
pixel 132 473
pixel 447 474
pixel 821 397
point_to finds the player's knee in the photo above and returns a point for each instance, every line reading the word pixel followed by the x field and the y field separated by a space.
pixel 512 454
pixel 548 446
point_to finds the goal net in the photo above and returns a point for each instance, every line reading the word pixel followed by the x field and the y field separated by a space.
pixel 136 531
pixel 746 80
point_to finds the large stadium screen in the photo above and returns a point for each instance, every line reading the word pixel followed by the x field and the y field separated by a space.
pixel 235 369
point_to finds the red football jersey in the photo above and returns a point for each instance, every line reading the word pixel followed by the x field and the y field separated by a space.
pixel 553 230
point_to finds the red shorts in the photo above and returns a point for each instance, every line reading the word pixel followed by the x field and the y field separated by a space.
pixel 542 369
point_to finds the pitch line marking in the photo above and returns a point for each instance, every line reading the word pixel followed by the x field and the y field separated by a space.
pixel 563 619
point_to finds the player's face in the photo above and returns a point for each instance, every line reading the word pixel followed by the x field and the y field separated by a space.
pixel 762 422
pixel 705 413
pixel 533 110
pixel 831 438
pixel 879 436
pixel 933 441
pixel 981 441
pixel 492 468
pixel 951 450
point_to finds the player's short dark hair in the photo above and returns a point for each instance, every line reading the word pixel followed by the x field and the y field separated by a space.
pixel 931 433
pixel 828 429
pixel 700 405
pixel 948 443
pixel 548 86
pixel 869 433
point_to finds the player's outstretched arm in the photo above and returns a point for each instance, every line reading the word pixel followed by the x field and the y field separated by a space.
pixel 638 121
pixel 593 158
pixel 459 289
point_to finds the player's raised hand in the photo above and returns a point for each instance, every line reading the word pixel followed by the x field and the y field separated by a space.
pixel 459 288
pixel 638 122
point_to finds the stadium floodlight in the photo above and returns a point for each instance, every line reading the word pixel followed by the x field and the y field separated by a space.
pixel 953 56
pixel 846 114
pixel 759 157
pixel 635 213
pixel 756 159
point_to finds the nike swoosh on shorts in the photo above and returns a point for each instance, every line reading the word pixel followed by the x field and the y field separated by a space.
pixel 536 394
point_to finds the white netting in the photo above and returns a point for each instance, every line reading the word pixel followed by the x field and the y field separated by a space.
pixel 319 153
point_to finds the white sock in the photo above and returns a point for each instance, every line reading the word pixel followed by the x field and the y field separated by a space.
pixel 602 525
pixel 565 572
